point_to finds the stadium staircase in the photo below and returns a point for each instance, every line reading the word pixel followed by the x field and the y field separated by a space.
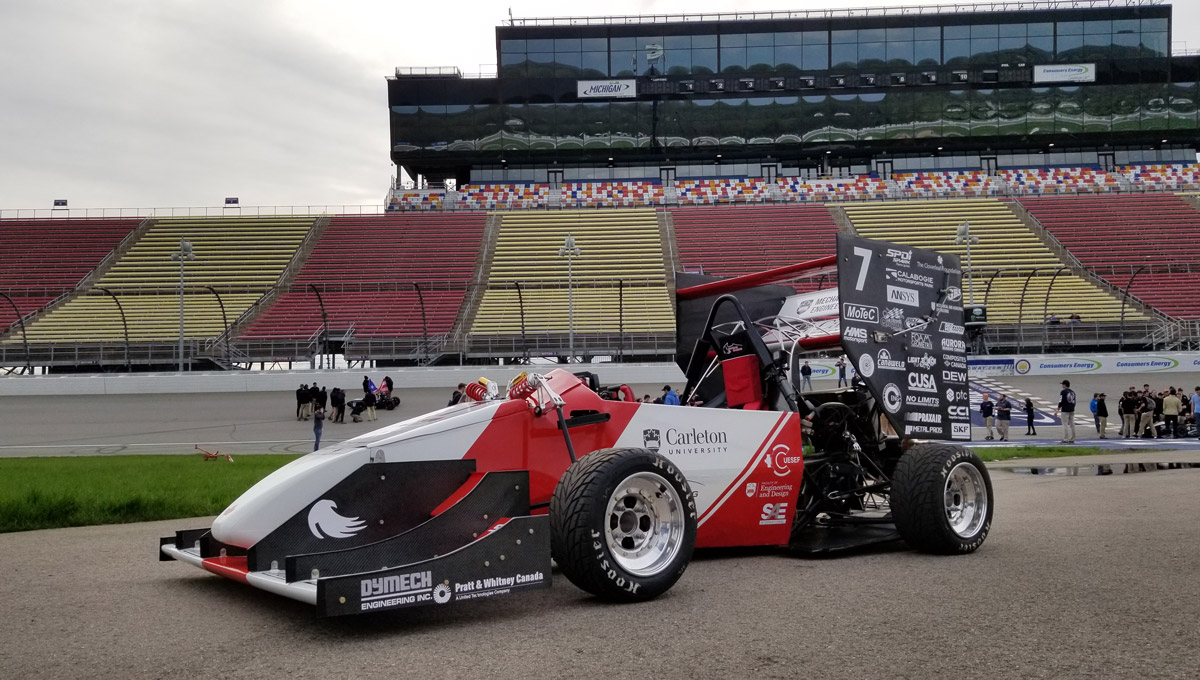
pixel 620 296
pixel 456 340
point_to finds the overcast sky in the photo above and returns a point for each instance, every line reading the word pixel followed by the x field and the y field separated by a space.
pixel 179 103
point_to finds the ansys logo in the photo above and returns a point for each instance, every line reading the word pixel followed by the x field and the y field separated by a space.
pixel 325 522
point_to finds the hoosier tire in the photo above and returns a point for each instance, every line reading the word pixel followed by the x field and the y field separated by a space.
pixel 942 499
pixel 623 524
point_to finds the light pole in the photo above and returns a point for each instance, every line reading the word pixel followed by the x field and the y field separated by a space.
pixel 964 237
pixel 571 251
pixel 183 255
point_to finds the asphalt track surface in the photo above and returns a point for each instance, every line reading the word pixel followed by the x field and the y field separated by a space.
pixel 1082 577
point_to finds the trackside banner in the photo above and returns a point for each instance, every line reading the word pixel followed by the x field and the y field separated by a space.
pixel 606 89
pixel 1065 73
pixel 901 318
pixel 1070 364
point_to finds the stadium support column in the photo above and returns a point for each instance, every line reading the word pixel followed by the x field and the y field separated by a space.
pixel 24 335
pixel 124 323
pixel 324 328
pixel 1124 303
pixel 183 255
pixel 964 237
pixel 570 251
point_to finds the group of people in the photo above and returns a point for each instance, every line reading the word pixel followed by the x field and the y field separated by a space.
pixel 1146 413
pixel 998 415
pixel 311 402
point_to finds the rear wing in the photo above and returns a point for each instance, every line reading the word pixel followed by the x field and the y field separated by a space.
pixel 896 312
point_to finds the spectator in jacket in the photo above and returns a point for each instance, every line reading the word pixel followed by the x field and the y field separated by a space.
pixel 301 397
pixel 1145 411
pixel 1030 414
pixel 985 409
pixel 806 375
pixel 1171 406
pixel 1128 406
pixel 1003 417
pixel 337 399
pixel 457 395
pixel 387 380
pixel 669 396
pixel 841 369
pixel 1066 406
pixel 366 384
pixel 318 427
pixel 369 401
pixel 322 398
pixel 1102 415
pixel 1092 408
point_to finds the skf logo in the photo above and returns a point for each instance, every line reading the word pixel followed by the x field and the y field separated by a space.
pixel 773 513
pixel 751 489
pixel 651 438
pixel 780 460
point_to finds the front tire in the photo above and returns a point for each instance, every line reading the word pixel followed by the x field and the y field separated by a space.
pixel 942 499
pixel 623 524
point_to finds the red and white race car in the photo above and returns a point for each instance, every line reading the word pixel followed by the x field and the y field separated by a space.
pixel 474 500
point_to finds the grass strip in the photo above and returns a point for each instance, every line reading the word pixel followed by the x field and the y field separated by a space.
pixel 989 454
pixel 52 492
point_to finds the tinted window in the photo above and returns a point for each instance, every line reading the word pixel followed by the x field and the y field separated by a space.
pixel 704 41
pixel 595 44
pixel 927 33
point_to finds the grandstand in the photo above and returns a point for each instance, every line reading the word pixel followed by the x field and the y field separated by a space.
pixel 377 276
pixel 618 283
pixel 1146 243
pixel 1013 270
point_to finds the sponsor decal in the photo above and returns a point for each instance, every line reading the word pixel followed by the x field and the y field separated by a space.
pixel 651 438
pixel 925 362
pixel 732 347
pixel 325 522
pixel 956 361
pixel 921 340
pixel 863 313
pixel 497 585
pixel 927 402
pixel 891 398
pixel 1070 365
pixel 943 308
pixel 854 334
pixel 953 293
pixel 595 89
pixel 1065 73
pixel 1151 364
pixel 939 267
pixel 901 258
pixel 773 489
pixel 866 365
pixel 893 319
pixel 1022 366
pixel 954 345
pixel 780 460
pixel 915 322
pixel 751 489
pixel 692 441
pixel 958 412
pixel 885 362
pixel 951 328
pixel 923 429
pixel 949 394
pixel 960 430
pixel 903 296
pixel 959 377
pixel 921 382
pixel 911 278
pixel 913 417
pixel 773 513
pixel 390 591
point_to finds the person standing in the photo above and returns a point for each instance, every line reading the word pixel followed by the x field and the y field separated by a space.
pixel 1003 417
pixel 318 427
pixel 806 375
pixel 1029 416
pixel 1066 406
pixel 457 395
pixel 1146 421
pixel 1129 409
pixel 1171 406
pixel 1092 408
pixel 366 384
pixel 1196 409
pixel 670 398
pixel 369 401
pixel 337 399
pixel 314 393
pixel 387 380
pixel 301 396
pixel 985 410
pixel 322 398
pixel 841 369
pixel 1102 415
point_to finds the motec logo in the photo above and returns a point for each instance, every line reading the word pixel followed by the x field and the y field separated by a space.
pixel 863 313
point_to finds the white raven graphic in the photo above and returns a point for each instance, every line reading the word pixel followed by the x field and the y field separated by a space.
pixel 323 517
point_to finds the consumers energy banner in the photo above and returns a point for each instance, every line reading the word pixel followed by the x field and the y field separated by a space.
pixel 1071 364
pixel 901 317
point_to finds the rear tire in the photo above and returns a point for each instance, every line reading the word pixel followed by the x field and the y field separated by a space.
pixel 942 499
pixel 623 524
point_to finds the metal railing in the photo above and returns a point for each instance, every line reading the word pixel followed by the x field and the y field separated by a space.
pixel 193 211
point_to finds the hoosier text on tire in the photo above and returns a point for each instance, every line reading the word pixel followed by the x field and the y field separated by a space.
pixel 623 524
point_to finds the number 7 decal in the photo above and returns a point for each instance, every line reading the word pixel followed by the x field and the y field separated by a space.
pixel 862 271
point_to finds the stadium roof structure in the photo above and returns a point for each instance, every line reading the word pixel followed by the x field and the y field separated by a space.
pixel 832 13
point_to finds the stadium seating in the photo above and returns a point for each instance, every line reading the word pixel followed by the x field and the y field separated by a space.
pixel 728 241
pixel 617 246
pixel 631 194
pixel 1162 177
pixel 860 188
pixel 722 191
pixel 364 267
pixel 42 258
pixel 1005 244
pixel 945 184
pixel 240 258
pixel 416 200
pixel 1068 180
pixel 1117 235
pixel 503 196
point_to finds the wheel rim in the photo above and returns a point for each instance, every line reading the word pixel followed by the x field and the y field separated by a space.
pixel 966 500
pixel 644 524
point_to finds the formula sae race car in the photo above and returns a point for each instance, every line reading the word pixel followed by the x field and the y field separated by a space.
pixel 476 499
